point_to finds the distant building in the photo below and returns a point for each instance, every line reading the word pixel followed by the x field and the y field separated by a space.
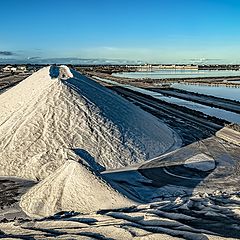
pixel 21 68
pixel 9 68
pixel 157 67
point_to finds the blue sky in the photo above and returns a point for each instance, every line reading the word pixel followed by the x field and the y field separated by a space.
pixel 153 31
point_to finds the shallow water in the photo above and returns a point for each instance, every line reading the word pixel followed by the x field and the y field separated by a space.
pixel 161 74
pixel 222 92
pixel 211 111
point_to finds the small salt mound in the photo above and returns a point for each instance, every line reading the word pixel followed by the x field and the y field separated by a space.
pixel 73 187
pixel 200 162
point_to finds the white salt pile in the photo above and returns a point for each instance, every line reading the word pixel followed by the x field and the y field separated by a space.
pixel 57 114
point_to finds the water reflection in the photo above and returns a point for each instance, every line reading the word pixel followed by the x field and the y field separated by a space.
pixel 161 74
pixel 211 111
pixel 222 92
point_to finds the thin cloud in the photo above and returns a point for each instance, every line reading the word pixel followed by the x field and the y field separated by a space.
pixel 33 58
pixel 7 53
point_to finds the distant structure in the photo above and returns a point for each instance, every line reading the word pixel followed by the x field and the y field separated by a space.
pixel 19 69
pixel 154 67
pixel 9 68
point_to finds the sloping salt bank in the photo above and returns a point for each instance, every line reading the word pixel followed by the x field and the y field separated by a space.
pixel 73 187
pixel 45 120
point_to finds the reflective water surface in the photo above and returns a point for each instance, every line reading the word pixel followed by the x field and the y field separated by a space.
pixel 211 111
pixel 171 73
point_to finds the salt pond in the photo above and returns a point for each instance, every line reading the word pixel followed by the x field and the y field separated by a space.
pixel 222 92
pixel 211 111
pixel 166 73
